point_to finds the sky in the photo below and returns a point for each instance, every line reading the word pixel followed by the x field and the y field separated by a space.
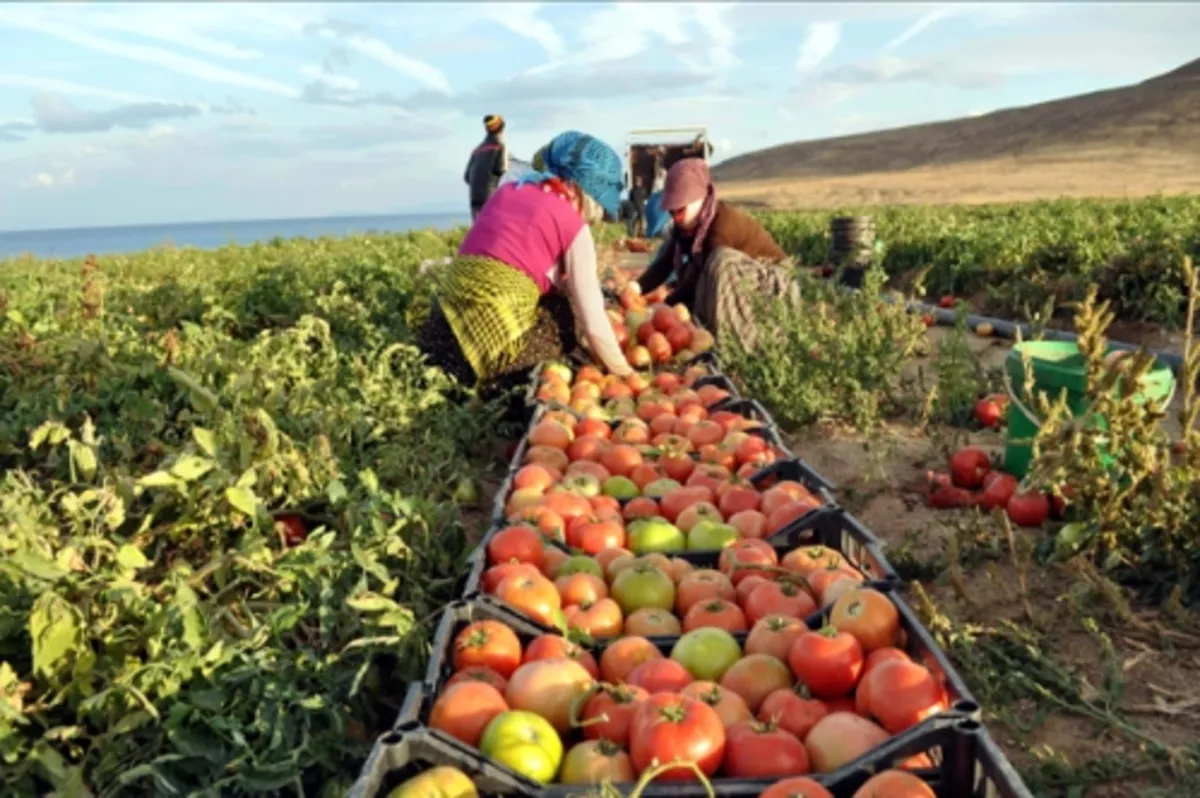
pixel 147 113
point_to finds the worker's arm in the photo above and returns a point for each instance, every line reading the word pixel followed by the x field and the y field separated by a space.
pixel 583 286
pixel 467 170
pixel 686 285
pixel 500 164
pixel 659 269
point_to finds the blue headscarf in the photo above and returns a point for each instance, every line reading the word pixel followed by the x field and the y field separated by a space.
pixel 656 215
pixel 587 162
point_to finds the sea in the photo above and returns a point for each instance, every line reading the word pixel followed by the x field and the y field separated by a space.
pixel 82 241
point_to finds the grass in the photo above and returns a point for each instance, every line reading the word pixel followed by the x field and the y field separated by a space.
pixel 165 417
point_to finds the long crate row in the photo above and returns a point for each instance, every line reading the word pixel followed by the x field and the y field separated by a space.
pixel 664 579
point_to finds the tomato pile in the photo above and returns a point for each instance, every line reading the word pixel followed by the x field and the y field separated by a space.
pixel 645 607
pixel 814 699
pixel 973 482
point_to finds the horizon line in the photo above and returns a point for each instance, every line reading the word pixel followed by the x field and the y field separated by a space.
pixel 196 223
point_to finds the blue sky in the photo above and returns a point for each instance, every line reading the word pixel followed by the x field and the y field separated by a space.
pixel 146 113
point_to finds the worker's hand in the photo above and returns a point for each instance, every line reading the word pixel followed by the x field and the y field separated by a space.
pixel 634 286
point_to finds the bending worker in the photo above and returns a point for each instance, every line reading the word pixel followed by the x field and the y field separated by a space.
pixel 722 259
pixel 487 164
pixel 508 301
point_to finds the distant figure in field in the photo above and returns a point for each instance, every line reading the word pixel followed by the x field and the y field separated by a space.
pixel 487 164
pixel 637 216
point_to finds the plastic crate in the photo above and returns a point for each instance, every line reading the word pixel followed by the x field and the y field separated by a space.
pixel 919 643
pixel 967 764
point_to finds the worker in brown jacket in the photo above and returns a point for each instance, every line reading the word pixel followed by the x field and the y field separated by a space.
pixel 487 164
pixel 722 259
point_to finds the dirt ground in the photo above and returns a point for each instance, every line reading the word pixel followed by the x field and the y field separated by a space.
pixel 1157 694
pixel 1136 173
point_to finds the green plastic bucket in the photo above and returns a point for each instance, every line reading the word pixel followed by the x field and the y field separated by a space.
pixel 1058 366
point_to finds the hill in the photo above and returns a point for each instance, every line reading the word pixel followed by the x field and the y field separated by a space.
pixel 1130 141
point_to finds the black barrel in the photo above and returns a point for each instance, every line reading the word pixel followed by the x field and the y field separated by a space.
pixel 853 246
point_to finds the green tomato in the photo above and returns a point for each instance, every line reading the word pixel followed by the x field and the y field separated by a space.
pixel 647 535
pixel 621 488
pixel 660 487
pixel 709 535
pixel 584 485
pixel 579 564
pixel 707 653
pixel 643 586
pixel 525 742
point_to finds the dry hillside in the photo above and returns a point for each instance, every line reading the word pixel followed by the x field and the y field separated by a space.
pixel 1135 140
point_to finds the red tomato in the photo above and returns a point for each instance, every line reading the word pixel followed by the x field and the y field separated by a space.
pixel 969 466
pixel 774 635
pixel 800 787
pixel 946 302
pixel 552 646
pixel 894 784
pixel 738 560
pixel 672 727
pixel 294 530
pixel 763 751
pixel 902 694
pixel 608 714
pixel 779 598
pixel 478 673
pixel 658 676
pixel 464 710
pixel 487 644
pixel 535 596
pixel 839 738
pixel 862 696
pixel 522 543
pixel 868 615
pixel 989 412
pixel 829 662
pixel 1028 509
pixel 794 713
pixel 719 613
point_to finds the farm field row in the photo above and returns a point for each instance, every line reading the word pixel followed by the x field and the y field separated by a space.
pixel 230 483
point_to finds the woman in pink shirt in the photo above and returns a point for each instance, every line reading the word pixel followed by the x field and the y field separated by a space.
pixel 527 271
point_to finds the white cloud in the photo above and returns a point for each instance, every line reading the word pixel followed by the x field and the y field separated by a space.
pixel 51 179
pixel 175 62
pixel 523 20
pixel 57 86
pixel 820 40
pixel 382 53
pixel 334 81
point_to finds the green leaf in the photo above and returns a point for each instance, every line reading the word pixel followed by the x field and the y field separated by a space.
pixel 131 557
pixel 193 623
pixel 248 478
pixel 202 399
pixel 84 459
pixel 190 468
pixel 159 479
pixel 37 566
pixel 56 631
pixel 369 602
pixel 205 440
pixel 336 491
pixel 243 500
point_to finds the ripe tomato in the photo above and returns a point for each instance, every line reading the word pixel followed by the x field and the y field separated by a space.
pixel 902 694
pixel 868 615
pixel 717 613
pixel 894 784
pixel 969 466
pixel 548 687
pixel 607 715
pixel 650 622
pixel 794 713
pixel 699 586
pixel 487 644
pixel 493 576
pixel 552 646
pixel 595 537
pixel 641 507
pixel 829 662
pixel 532 595
pixel 671 727
pixel 521 543
pixel 1028 509
pixel 862 696
pixel 622 656
pixel 738 560
pixel 294 530
pixel 756 676
pixel 988 412
pixel 810 559
pixel 839 738
pixel 779 598
pixel 800 787
pixel 660 676
pixel 774 635
pixel 596 762
pixel 998 488
pixel 478 673
pixel 600 618
pixel 756 750
pixel 730 706
pixel 464 710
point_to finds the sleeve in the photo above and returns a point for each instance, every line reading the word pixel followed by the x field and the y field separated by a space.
pixel 659 269
pixel 467 169
pixel 583 287
pixel 686 285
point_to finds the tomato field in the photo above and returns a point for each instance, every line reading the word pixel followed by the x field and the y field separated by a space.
pixel 236 506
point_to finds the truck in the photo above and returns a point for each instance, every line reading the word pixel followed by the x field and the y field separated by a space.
pixel 646 149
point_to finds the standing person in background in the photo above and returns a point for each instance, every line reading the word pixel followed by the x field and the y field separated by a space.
pixel 526 274
pixel 487 164
pixel 660 175
pixel 637 199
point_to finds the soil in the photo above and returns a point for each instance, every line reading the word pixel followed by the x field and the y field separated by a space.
pixel 1159 694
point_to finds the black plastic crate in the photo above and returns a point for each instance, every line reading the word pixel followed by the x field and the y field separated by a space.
pixel 967 764
pixel 918 641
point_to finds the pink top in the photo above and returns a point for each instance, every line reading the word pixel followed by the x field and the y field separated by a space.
pixel 525 227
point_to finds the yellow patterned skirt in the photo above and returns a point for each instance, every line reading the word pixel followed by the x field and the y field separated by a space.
pixel 489 324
